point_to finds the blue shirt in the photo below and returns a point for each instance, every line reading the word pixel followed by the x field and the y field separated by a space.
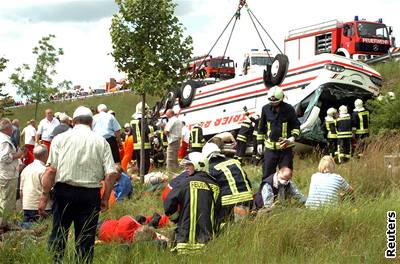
pixel 123 187
pixel 324 189
pixel 105 125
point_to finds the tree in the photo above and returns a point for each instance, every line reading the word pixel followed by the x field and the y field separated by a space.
pixel 4 98
pixel 40 85
pixel 149 46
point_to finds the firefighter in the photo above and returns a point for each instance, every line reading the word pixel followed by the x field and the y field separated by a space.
pixel 157 149
pixel 330 131
pixel 197 199
pixel 236 191
pixel 360 120
pixel 136 132
pixel 278 129
pixel 344 135
pixel 196 138
pixel 245 132
pixel 256 157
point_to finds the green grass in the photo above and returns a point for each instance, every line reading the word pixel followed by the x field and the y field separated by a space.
pixel 123 104
pixel 352 232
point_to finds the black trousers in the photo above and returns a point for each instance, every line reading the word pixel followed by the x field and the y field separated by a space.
pixel 80 206
pixel 146 160
pixel 332 146
pixel 241 149
pixel 112 141
pixel 344 149
pixel 277 158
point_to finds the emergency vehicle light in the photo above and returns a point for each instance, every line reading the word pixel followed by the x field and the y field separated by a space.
pixel 380 20
pixel 334 67
pixel 356 18
pixel 254 49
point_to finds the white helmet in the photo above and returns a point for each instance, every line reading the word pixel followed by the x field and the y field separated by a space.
pixel 195 158
pixel 209 149
pixel 139 107
pixel 343 109
pixel 358 103
pixel 275 94
pixel 391 96
pixel 331 111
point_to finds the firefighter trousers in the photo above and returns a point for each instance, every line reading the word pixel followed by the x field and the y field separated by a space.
pixel 332 147
pixel 240 150
pixel 277 158
pixel 344 149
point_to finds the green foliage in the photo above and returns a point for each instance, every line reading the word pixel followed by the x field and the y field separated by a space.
pixel 385 111
pixel 4 98
pixel 148 44
pixel 39 86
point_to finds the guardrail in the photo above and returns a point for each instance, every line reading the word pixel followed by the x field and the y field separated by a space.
pixel 383 58
pixel 76 98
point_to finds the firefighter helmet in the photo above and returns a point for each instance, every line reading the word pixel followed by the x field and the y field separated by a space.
pixel 391 96
pixel 358 103
pixel 210 148
pixel 343 109
pixel 331 111
pixel 196 159
pixel 275 95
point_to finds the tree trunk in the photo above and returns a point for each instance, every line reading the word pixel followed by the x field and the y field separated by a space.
pixel 142 134
pixel 36 108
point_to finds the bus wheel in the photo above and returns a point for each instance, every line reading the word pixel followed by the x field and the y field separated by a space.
pixel 267 77
pixel 187 92
pixel 279 69
pixel 169 100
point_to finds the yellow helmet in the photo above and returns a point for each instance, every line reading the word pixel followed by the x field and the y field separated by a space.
pixel 331 111
pixel 343 109
pixel 358 103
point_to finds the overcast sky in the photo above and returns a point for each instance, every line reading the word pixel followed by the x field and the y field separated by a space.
pixel 82 29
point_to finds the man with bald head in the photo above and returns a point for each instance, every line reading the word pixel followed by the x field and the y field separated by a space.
pixel 46 127
pixel 173 131
pixel 277 187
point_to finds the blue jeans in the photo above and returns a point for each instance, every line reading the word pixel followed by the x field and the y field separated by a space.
pixel 80 206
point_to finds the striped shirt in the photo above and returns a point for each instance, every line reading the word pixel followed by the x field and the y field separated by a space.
pixel 81 157
pixel 324 189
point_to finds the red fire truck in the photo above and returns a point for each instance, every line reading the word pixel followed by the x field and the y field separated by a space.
pixel 358 39
pixel 211 67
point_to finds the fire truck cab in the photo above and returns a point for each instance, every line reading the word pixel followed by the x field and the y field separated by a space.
pixel 211 67
pixel 255 61
pixel 358 39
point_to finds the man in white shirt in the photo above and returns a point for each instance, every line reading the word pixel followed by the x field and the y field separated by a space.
pixel 106 125
pixel 79 159
pixel 31 185
pixel 9 161
pixel 29 134
pixel 173 131
pixel 184 142
pixel 46 127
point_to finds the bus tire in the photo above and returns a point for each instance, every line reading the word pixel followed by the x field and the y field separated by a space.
pixel 169 100
pixel 279 69
pixel 187 92
pixel 267 77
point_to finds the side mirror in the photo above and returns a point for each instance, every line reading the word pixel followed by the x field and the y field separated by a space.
pixel 390 29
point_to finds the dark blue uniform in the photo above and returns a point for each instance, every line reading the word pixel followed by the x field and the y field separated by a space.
pixel 275 123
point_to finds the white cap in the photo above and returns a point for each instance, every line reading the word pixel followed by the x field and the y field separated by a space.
pixel 63 117
pixel 343 109
pixel 82 111
pixel 358 103
pixel 101 108
pixel 126 125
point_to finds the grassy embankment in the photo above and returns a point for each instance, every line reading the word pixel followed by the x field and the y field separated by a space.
pixel 353 232
pixel 122 103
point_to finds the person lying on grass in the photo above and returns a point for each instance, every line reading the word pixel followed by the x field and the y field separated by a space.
pixel 325 185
